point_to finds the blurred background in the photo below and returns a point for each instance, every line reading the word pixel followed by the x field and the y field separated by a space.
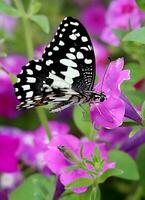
pixel 24 36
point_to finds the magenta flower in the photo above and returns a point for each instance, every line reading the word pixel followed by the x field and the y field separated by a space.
pixel 13 63
pixel 9 181
pixel 8 153
pixel 101 55
pixel 38 51
pixel 121 14
pixel 34 143
pixel 58 163
pixel 8 100
pixel 93 18
pixel 109 37
pixel 110 113
pixel 7 23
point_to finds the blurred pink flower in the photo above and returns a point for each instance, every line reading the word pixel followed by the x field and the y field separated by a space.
pixel 8 100
pixel 39 51
pixel 110 113
pixel 58 163
pixel 93 18
pixel 121 14
pixel 101 56
pixel 34 143
pixel 8 153
pixel 13 63
pixel 8 181
pixel 7 23
pixel 109 37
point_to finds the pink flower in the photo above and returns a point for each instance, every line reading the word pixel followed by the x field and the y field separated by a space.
pixel 93 18
pixel 8 100
pixel 101 55
pixel 121 14
pixel 110 113
pixel 13 63
pixel 109 37
pixel 8 153
pixel 34 143
pixel 39 51
pixel 58 163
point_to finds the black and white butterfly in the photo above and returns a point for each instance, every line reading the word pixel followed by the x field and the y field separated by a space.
pixel 66 73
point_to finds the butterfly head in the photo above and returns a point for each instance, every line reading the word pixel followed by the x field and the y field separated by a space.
pixel 99 97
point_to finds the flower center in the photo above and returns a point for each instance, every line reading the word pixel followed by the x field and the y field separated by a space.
pixel 127 8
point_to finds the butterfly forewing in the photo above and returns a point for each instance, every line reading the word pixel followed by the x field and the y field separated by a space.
pixel 67 68
pixel 70 55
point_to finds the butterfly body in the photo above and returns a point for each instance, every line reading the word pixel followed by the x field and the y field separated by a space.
pixel 64 76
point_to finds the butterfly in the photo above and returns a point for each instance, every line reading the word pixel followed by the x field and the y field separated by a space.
pixel 64 76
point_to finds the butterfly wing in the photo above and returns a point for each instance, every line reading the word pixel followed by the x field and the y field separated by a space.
pixel 67 69
pixel 70 55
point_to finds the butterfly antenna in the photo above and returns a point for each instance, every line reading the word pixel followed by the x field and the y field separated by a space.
pixel 105 74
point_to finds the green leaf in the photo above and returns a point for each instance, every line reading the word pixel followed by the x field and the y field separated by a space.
pixel 137 72
pixel 82 196
pixel 9 10
pixel 83 121
pixel 137 35
pixel 125 163
pixel 141 4
pixel 134 131
pixel 34 7
pixel 41 21
pixel 109 173
pixel 141 165
pixel 143 110
pixel 35 187
pixel 81 182
pixel 119 33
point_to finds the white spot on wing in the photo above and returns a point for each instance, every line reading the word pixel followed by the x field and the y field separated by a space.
pixel 85 48
pixel 29 72
pixel 31 80
pixel 19 97
pixel 80 55
pixel 72 49
pixel 56 48
pixel 49 62
pixel 38 67
pixel 65 24
pixel 61 43
pixel 26 87
pixel 88 61
pixel 71 56
pixel 68 62
pixel 29 94
pixel 84 38
pixel 18 80
pixel 70 74
pixel 74 23
pixel 73 37
pixel 58 82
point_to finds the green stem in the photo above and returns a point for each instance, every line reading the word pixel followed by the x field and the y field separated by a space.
pixel 43 118
pixel 40 111
pixel 28 38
